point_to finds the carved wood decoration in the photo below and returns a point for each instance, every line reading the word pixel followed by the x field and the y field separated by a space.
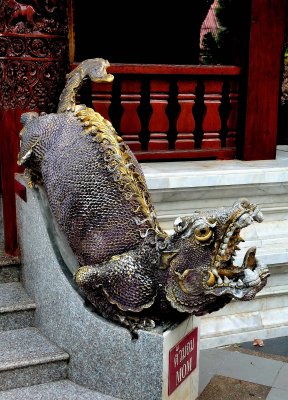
pixel 33 64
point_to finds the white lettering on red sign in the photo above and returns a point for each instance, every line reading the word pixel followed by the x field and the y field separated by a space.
pixel 182 360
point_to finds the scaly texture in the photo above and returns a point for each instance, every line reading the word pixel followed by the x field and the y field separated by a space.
pixel 130 269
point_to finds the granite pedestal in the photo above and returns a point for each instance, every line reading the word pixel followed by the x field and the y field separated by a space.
pixel 103 356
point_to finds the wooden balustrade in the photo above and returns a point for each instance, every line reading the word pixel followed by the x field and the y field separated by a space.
pixel 172 112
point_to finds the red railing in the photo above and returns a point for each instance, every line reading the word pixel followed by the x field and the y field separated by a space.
pixel 172 111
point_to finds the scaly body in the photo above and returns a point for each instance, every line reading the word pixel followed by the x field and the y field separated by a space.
pixel 129 268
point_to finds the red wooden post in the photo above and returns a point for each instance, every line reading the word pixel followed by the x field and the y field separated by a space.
pixel 130 125
pixel 101 98
pixel 233 114
pixel 33 61
pixel 266 45
pixel 186 123
pixel 212 122
pixel 159 123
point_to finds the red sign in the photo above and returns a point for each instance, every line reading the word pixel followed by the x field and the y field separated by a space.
pixel 182 360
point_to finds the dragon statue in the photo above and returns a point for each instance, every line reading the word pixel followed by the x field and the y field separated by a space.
pixel 131 270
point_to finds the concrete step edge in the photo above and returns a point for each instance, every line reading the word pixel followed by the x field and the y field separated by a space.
pixel 27 347
pixel 6 260
pixel 55 390
pixel 18 307
pixel 13 297
pixel 36 361
pixel 273 291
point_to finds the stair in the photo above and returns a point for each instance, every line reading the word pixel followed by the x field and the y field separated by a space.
pixel 16 308
pixel 60 390
pixel 31 366
pixel 9 266
pixel 26 356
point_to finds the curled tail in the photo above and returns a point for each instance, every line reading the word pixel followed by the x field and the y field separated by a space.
pixel 95 69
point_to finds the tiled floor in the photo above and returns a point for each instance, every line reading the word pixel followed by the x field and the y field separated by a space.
pixel 247 368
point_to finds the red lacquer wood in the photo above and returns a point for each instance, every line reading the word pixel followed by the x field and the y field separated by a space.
pixel 186 123
pixel 33 64
pixel 9 147
pixel 266 45
pixel 212 122
pixel 233 113
pixel 20 190
pixel 156 69
pixel 168 97
pixel 130 125
pixel 101 98
pixel 159 124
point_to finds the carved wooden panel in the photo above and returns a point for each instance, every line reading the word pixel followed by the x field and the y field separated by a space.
pixel 33 64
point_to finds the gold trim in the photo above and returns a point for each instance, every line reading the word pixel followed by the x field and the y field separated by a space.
pixel 120 162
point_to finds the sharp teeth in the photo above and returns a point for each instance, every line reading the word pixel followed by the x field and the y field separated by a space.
pixel 239 283
pixel 251 277
pixel 215 272
pixel 220 281
pixel 226 280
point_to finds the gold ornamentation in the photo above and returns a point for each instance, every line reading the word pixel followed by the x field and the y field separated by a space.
pixel 211 280
pixel 181 278
pixel 119 161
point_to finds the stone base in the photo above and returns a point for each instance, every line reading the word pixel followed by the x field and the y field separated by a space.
pixel 103 356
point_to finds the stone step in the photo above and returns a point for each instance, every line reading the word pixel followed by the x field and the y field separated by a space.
pixel 9 267
pixel 61 390
pixel 16 307
pixel 29 358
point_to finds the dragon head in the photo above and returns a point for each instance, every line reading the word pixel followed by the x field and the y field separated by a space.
pixel 202 276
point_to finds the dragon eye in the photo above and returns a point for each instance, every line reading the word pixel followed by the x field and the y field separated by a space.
pixel 203 233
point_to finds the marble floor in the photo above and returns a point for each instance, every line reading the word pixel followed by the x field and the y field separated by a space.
pixel 180 174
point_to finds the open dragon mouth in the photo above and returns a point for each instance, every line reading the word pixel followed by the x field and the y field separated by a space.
pixel 223 272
